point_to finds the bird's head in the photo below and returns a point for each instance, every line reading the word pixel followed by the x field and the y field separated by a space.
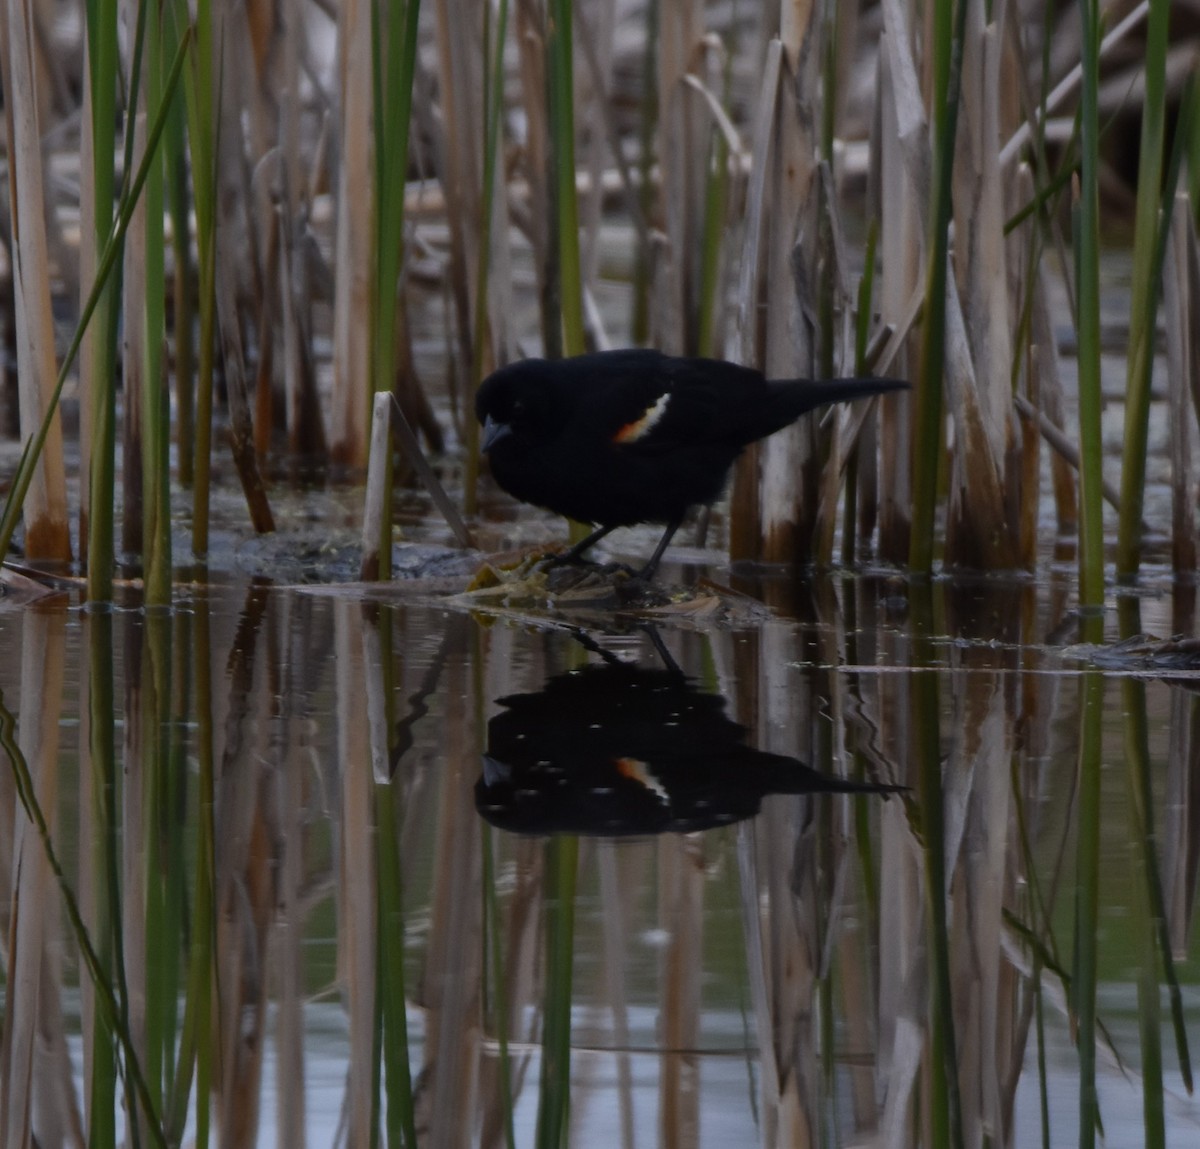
pixel 521 403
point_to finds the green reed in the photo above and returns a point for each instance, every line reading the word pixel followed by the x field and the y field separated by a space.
pixel 560 76
pixel 100 756
pixel 493 108
pixel 202 117
pixel 100 377
pixel 1085 974
pixel 393 60
pixel 391 993
pixel 947 51
pixel 1144 293
pixel 1086 234
pixel 561 869
pixel 945 1104
pixel 156 412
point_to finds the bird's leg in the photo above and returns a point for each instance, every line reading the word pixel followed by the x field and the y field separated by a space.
pixel 576 552
pixel 647 572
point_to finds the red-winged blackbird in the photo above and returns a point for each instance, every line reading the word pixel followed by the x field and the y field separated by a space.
pixel 635 436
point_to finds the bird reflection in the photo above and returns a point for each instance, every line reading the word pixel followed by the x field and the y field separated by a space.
pixel 618 750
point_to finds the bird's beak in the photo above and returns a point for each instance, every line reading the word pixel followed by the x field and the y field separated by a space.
pixel 495 772
pixel 493 432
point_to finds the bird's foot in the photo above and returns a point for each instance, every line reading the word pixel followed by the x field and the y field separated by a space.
pixel 567 558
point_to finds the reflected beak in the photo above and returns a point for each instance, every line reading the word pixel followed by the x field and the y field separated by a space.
pixel 493 432
pixel 495 772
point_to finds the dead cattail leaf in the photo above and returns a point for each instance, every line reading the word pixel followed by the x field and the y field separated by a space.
pixel 1181 309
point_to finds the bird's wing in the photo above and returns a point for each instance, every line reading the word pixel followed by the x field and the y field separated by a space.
pixel 660 413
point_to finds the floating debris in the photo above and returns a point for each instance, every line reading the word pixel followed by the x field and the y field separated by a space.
pixel 538 589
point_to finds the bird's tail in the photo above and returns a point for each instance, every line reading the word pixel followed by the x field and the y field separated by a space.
pixel 800 395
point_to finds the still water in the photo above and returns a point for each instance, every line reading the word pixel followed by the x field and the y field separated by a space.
pixel 833 874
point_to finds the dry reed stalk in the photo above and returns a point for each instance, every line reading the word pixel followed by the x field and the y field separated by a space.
pixel 1180 828
pixel 302 787
pixel 302 403
pixel 235 233
pixel 244 871
pixel 285 956
pixel 134 831
pixel 594 28
pixel 978 530
pixel 744 504
pixel 89 257
pixel 461 84
pixel 378 680
pixel 978 793
pixel 976 527
pixel 265 406
pixel 901 1044
pixel 521 863
pixel 901 245
pixel 1181 311
pixel 357 880
pixel 787 724
pixel 780 946
pixel 683 152
pixel 521 962
pixel 353 258
pixel 616 903
pixel 26 1082
pixel 681 916
pixel 47 533
pixel 531 42
pixel 373 529
pixel 847 935
pixel 451 1065
pixel 1069 49
pixel 789 462
pixel 1051 403
pixel 1023 494
pixel 902 1038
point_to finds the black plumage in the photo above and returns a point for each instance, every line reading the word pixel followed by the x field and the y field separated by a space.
pixel 635 436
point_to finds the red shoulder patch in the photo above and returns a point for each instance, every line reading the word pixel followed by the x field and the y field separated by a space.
pixel 645 423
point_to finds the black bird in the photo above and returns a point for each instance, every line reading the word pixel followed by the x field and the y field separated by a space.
pixel 635 436
pixel 618 750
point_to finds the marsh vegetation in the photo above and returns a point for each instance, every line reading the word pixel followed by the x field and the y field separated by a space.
pixel 239 814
